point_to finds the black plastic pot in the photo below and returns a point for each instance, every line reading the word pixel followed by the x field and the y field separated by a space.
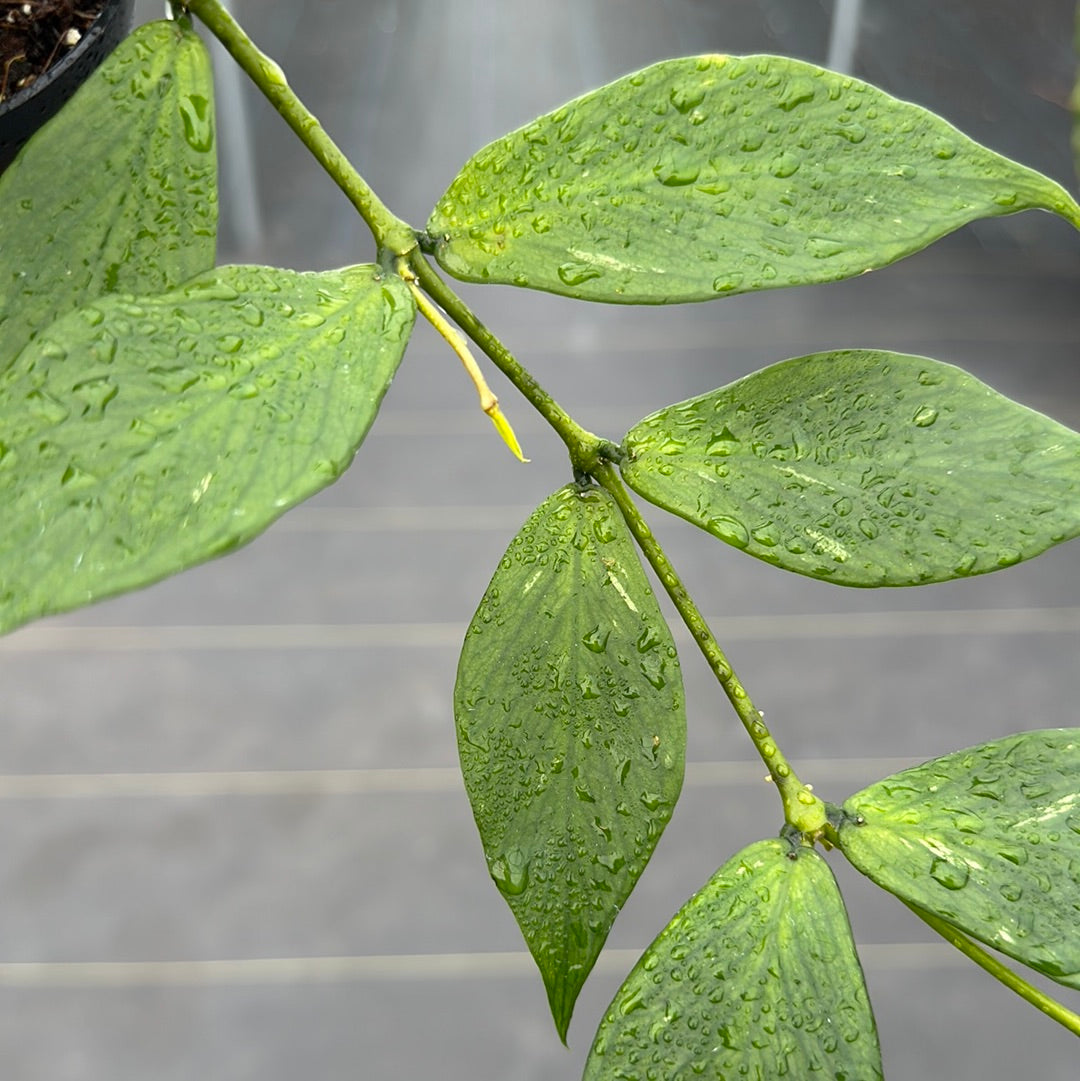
pixel 25 112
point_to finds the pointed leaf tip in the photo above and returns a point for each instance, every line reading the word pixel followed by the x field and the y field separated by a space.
pixel 571 730
pixel 703 177
pixel 864 468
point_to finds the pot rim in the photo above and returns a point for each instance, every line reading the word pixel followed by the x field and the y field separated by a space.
pixel 110 10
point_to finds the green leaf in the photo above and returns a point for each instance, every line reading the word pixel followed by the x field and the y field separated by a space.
pixel 118 192
pixel 714 175
pixel 865 468
pixel 571 729
pixel 141 435
pixel 756 976
pixel 988 839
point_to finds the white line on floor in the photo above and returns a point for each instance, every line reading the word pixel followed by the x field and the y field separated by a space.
pixel 392 967
pixel 58 637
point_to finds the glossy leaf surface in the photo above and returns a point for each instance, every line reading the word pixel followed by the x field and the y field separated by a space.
pixel 708 176
pixel 988 839
pixel 865 468
pixel 756 976
pixel 141 435
pixel 571 729
pixel 118 192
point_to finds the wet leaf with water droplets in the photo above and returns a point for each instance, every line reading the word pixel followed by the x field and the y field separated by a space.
pixel 864 468
pixel 707 176
pixel 110 196
pixel 988 839
pixel 756 976
pixel 151 433
pixel 571 730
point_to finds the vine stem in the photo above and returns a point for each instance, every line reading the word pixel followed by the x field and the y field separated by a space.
pixel 584 447
pixel 390 232
pixel 1012 980
pixel 802 809
pixel 589 454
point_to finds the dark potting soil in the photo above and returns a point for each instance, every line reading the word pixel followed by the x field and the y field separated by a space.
pixel 36 34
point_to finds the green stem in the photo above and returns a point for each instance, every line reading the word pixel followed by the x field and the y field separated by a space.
pixel 585 448
pixel 1014 982
pixel 588 453
pixel 391 233
pixel 802 809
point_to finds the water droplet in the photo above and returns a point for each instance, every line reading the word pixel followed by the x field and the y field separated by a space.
pixel 944 149
pixel 821 247
pixel 966 564
pixel 685 98
pixel 251 315
pixel 727 283
pixel 784 165
pixel 95 395
pixel 1005 198
pixel 723 442
pixel 75 477
pixel 925 415
pixel 953 876
pixel 46 408
pixel 853 133
pixel 729 530
pixel 611 862
pixel 510 872
pixel 604 530
pixel 196 122
pixel 797 92
pixel 596 640
pixel 230 343
pixel 577 273
pixel 51 350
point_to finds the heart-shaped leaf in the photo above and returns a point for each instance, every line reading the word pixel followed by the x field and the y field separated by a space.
pixel 118 192
pixel 756 976
pixel 989 840
pixel 571 729
pixel 865 468
pixel 141 435
pixel 708 176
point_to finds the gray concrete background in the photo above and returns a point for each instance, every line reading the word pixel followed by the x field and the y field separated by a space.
pixel 234 842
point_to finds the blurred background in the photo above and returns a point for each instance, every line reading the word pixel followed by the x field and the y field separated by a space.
pixel 235 844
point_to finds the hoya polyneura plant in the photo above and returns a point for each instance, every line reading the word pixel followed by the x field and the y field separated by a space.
pixel 157 411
